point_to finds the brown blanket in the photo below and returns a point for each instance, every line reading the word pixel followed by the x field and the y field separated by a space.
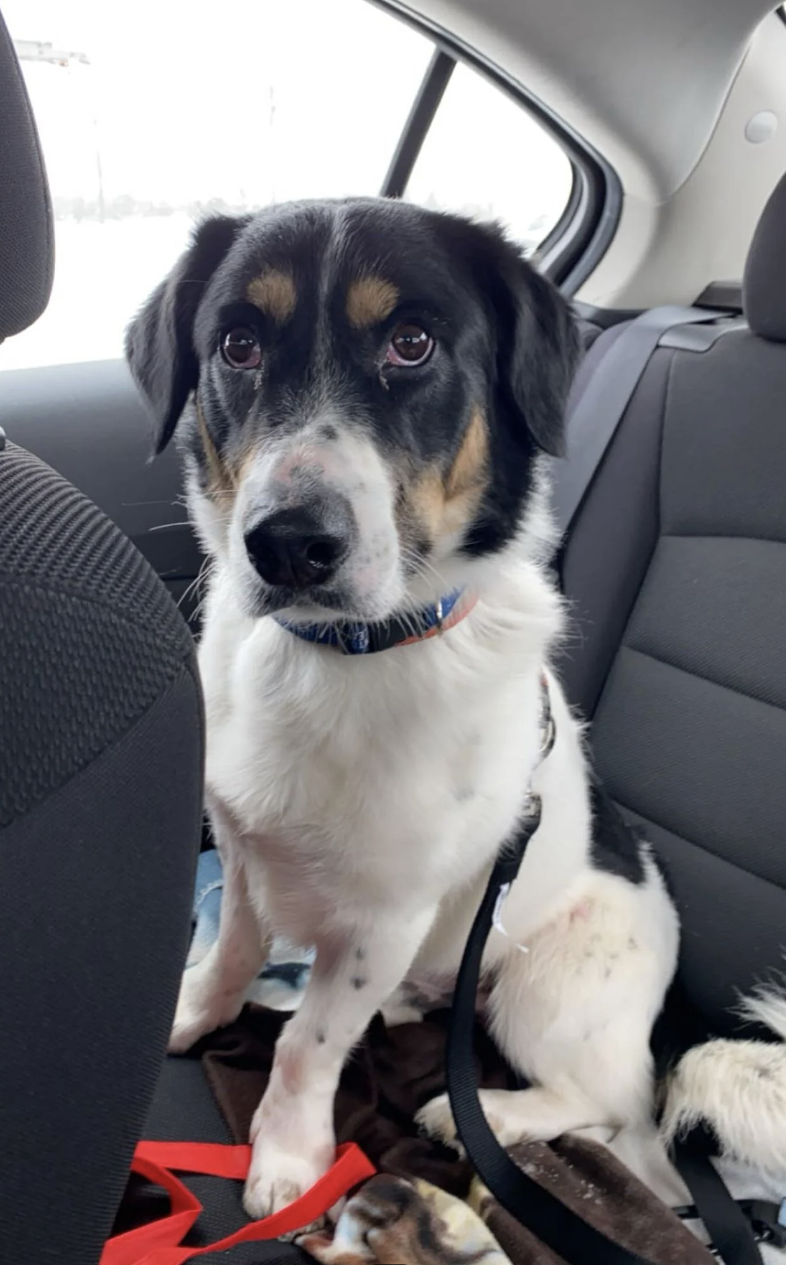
pixel 388 1079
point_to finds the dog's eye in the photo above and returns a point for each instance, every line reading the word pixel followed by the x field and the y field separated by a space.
pixel 240 348
pixel 409 345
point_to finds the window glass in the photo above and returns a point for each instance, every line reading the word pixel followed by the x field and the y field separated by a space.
pixel 486 156
pixel 151 114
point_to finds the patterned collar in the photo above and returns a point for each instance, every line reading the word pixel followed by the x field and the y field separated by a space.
pixel 358 638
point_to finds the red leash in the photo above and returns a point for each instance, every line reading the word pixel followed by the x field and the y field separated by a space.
pixel 160 1242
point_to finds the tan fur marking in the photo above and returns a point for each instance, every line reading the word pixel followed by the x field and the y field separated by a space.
pixel 469 468
pixel 274 294
pixel 369 300
pixel 442 504
pixel 221 480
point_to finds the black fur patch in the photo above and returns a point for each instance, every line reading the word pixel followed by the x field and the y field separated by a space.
pixel 616 846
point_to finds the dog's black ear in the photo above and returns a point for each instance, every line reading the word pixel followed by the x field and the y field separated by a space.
pixel 537 342
pixel 159 341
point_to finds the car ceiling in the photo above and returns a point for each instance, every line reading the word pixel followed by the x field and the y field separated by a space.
pixel 643 80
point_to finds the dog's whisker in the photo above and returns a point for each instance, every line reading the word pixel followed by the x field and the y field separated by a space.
pixel 168 526
pixel 199 579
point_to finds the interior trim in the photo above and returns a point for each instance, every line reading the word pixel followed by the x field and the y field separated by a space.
pixel 421 116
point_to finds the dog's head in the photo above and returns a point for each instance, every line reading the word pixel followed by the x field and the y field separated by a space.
pixel 364 387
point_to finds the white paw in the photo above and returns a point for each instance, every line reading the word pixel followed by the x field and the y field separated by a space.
pixel 277 1177
pixel 395 1015
pixel 200 1010
pixel 436 1119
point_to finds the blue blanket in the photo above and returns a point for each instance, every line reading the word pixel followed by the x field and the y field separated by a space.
pixel 282 979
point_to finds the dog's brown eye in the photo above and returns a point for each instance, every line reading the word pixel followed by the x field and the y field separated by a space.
pixel 409 345
pixel 240 348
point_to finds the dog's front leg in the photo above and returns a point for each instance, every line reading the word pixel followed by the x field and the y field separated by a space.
pixel 212 991
pixel 292 1130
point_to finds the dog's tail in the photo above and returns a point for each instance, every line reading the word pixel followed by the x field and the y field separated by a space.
pixel 737 1088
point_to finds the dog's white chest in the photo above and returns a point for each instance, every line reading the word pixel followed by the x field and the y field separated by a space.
pixel 352 781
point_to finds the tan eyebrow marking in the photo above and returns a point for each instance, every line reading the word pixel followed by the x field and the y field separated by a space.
pixel 274 294
pixel 369 300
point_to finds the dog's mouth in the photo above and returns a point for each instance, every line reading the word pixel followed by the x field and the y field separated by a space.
pixel 314 605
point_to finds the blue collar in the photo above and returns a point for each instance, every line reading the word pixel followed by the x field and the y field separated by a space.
pixel 359 638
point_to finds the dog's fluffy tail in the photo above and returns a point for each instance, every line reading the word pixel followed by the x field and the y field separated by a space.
pixel 737 1088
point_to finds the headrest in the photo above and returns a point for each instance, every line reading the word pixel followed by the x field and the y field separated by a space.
pixel 764 282
pixel 26 236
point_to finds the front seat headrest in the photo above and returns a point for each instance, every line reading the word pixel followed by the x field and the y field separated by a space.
pixel 26 231
pixel 764 282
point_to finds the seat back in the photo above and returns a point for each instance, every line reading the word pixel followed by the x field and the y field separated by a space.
pixel 101 749
pixel 676 569
pixel 26 232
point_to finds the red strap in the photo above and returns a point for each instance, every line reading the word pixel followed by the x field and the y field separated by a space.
pixel 159 1243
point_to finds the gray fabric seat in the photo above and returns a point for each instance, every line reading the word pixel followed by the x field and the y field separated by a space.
pixel 100 804
pixel 676 571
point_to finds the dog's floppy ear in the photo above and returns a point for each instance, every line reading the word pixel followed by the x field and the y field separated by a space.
pixel 537 342
pixel 159 341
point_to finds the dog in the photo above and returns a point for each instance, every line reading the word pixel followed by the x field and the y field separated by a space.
pixel 368 396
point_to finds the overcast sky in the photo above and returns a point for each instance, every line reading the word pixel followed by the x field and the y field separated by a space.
pixel 178 96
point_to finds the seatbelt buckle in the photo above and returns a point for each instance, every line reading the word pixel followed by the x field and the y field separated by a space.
pixel 767 1219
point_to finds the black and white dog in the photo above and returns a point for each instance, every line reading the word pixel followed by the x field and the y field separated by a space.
pixel 363 390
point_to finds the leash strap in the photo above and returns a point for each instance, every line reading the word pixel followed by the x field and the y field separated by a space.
pixel 725 1221
pixel 567 1234
pixel 161 1242
pixel 561 1229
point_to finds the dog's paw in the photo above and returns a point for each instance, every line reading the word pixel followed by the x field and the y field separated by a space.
pixel 200 1010
pixel 436 1119
pixel 397 1014
pixel 277 1177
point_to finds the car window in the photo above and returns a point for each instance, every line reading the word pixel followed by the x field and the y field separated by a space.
pixel 486 156
pixel 152 115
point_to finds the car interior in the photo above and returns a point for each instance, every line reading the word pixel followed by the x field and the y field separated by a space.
pixel 664 133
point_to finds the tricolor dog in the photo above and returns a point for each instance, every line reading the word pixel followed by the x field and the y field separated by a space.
pixel 366 394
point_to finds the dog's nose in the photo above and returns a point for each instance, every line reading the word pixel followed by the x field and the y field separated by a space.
pixel 292 549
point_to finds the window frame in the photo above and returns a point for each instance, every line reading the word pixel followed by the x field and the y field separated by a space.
pixel 575 246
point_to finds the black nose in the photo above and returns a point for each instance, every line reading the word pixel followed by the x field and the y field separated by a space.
pixel 291 549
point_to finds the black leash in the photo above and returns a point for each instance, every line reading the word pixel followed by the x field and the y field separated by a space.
pixel 724 1219
pixel 556 1225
